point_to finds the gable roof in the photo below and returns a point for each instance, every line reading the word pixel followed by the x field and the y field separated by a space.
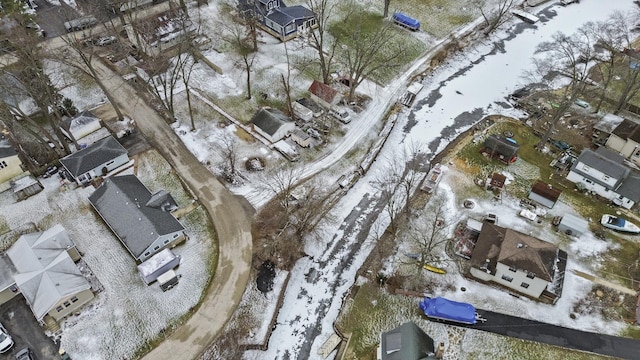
pixel 630 187
pixel 406 342
pixel 45 273
pixel 514 249
pixel 603 160
pixel 133 213
pixel 269 120
pixel 546 190
pixel 93 156
pixel 323 91
pixel 501 146
pixel 78 122
pixel 498 180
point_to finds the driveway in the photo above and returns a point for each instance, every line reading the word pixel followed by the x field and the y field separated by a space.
pixel 17 318
pixel 232 224
pixel 559 336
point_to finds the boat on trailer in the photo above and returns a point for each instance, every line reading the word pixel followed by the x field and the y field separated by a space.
pixel 619 224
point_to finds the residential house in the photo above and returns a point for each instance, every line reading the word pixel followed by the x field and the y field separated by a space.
pixel 44 272
pixel 98 159
pixel 519 262
pixel 10 164
pixel 406 342
pixel 16 97
pixel 504 149
pixel 142 221
pixel 275 17
pixel 324 94
pixel 604 127
pixel 625 139
pixel 544 194
pixel 604 173
pixel 85 128
pixel 160 32
pixel 272 124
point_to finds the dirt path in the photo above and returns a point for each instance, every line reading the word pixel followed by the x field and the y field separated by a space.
pixel 603 282
pixel 231 221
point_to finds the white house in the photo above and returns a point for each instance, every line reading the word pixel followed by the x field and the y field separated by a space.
pixel 625 139
pixel 10 164
pixel 519 262
pixel 603 172
pixel 98 159
pixel 272 124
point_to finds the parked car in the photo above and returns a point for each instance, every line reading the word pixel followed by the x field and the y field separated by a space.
pixel 80 23
pixel 106 40
pixel 583 104
pixel 341 114
pixel 51 170
pixel 6 342
pixel 24 354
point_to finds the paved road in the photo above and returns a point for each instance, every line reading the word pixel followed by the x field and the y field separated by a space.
pixel 559 336
pixel 232 224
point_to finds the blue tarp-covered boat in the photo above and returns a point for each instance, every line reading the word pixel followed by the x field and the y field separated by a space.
pixel 443 309
pixel 406 21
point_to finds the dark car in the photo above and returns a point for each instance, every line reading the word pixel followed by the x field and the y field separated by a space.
pixel 24 354
pixel 51 170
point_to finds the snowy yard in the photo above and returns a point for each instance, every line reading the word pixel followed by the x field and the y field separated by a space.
pixel 128 313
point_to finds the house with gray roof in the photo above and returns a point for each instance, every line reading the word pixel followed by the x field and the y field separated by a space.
pixel 275 17
pixel 603 172
pixel 98 159
pixel 141 220
pixel 625 140
pixel 81 125
pixel 519 262
pixel 43 270
pixel 503 149
pixel 272 124
pixel 406 342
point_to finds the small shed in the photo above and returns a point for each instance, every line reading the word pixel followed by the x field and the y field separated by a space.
pixel 301 138
pixel 504 149
pixel 496 182
pixel 157 265
pixel 573 225
pixel 25 187
pixel 544 194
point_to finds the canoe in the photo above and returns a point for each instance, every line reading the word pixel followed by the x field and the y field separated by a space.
pixel 434 269
pixel 619 224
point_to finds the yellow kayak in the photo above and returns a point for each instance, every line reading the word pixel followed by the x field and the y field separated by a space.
pixel 434 269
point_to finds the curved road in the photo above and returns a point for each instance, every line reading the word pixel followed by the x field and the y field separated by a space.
pixel 232 224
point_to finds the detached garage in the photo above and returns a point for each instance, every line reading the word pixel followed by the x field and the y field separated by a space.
pixel 573 225
pixel 544 194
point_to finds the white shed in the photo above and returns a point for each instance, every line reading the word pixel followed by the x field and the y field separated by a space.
pixel 573 225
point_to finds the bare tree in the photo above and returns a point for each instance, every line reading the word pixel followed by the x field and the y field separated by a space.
pixel 279 182
pixel 229 152
pixel 319 38
pixel 387 182
pixel 496 16
pixel 387 3
pixel 431 233
pixel 366 49
pixel 566 56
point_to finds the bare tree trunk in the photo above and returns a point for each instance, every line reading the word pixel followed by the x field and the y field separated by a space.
pixel 386 8
pixel 248 69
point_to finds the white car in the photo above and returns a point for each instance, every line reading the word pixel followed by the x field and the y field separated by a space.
pixel 106 40
pixel 6 342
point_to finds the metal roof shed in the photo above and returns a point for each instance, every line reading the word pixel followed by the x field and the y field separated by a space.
pixel 573 225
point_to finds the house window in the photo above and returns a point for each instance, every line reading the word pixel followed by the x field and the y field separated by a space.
pixel 637 153
pixel 74 299
pixel 156 248
pixel 585 168
pixel 588 181
pixel 605 177
pixel 110 163
pixel 531 275
pixel 59 308
pixel 289 28
pixel 513 269
pixel 146 254
pixel 525 285
pixel 3 164
pixel 507 278
pixel 166 241
pixel 175 236
pixel 66 304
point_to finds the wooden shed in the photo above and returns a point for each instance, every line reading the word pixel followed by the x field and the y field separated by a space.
pixel 544 194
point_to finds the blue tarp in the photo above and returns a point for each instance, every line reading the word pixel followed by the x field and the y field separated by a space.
pixel 406 20
pixel 441 308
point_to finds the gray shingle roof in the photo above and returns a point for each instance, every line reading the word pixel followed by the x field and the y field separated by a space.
pixel 630 187
pixel 501 146
pixel 122 201
pixel 406 342
pixel 603 160
pixel 269 120
pixel 45 273
pixel 6 150
pixel 93 156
